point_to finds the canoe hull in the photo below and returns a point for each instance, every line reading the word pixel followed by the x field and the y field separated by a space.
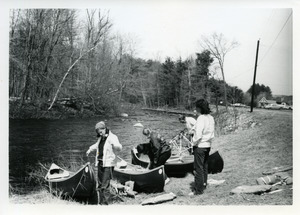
pixel 215 163
pixel 150 181
pixel 79 185
pixel 180 168
pixel 175 168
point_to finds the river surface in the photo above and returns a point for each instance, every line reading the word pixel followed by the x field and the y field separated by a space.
pixel 32 142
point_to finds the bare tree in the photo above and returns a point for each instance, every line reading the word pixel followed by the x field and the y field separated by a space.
pixel 125 54
pixel 219 46
pixel 95 34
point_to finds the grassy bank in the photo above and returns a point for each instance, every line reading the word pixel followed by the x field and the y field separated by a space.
pixel 259 141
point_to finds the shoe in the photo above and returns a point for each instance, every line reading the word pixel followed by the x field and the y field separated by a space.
pixel 195 194
pixel 167 181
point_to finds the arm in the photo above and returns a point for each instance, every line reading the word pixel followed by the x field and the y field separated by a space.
pixel 116 144
pixel 92 148
pixel 143 148
pixel 198 130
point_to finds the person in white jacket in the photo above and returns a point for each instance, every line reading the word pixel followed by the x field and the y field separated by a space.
pixel 106 147
pixel 202 140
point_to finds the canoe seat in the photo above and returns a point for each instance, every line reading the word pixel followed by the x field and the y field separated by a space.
pixel 58 175
pixel 122 164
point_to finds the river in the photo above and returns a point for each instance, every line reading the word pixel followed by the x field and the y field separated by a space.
pixel 45 141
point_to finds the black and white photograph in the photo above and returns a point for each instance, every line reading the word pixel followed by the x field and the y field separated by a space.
pixel 146 106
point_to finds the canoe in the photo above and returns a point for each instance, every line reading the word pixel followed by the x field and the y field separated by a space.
pixel 179 167
pixel 147 181
pixel 215 163
pixel 75 185
pixel 174 167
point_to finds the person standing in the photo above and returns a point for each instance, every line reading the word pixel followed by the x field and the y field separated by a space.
pixel 202 140
pixel 106 147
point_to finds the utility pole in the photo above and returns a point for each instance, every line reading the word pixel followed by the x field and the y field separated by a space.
pixel 253 85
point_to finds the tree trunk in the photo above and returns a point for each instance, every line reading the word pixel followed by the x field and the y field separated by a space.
pixel 225 90
pixel 190 89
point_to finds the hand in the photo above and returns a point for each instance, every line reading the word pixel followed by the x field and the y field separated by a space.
pixel 87 153
pixel 135 151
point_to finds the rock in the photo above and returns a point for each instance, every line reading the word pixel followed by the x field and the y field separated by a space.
pixel 124 115
pixel 139 125
pixel 289 181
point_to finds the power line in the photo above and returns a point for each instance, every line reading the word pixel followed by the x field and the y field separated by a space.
pixel 265 28
pixel 268 21
pixel 275 38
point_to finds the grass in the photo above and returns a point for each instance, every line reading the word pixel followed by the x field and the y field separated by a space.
pixel 257 142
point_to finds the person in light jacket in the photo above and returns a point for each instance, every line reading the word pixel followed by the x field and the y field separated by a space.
pixel 202 140
pixel 189 122
pixel 106 147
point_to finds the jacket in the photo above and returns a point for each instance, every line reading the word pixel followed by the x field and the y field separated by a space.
pixel 111 147
pixel 204 131
pixel 155 148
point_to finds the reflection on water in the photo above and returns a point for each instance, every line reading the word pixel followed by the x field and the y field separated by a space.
pixel 45 141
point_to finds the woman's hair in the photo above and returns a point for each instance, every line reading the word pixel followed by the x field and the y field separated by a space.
pixel 203 105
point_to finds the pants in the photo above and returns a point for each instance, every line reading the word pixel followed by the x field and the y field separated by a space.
pixel 104 177
pixel 201 168
pixel 161 160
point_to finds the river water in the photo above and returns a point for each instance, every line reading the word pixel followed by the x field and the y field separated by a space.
pixel 32 142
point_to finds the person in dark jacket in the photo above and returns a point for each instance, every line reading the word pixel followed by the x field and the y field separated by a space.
pixel 157 149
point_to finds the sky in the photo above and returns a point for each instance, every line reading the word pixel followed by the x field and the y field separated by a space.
pixel 175 30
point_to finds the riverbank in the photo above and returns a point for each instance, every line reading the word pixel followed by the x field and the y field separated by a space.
pixel 63 110
pixel 261 140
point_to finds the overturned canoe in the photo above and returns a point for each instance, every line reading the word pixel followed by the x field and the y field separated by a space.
pixel 147 181
pixel 76 185
pixel 180 166
pixel 215 163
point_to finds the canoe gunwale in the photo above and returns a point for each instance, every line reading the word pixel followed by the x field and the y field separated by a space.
pixel 72 174
pixel 172 169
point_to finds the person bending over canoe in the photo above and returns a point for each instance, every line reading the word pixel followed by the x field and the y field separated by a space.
pixel 106 148
pixel 157 149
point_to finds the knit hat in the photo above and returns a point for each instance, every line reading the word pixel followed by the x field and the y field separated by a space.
pixel 100 125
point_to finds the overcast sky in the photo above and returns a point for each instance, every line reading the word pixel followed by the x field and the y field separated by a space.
pixel 175 30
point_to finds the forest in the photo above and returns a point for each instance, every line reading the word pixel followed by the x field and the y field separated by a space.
pixel 65 56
